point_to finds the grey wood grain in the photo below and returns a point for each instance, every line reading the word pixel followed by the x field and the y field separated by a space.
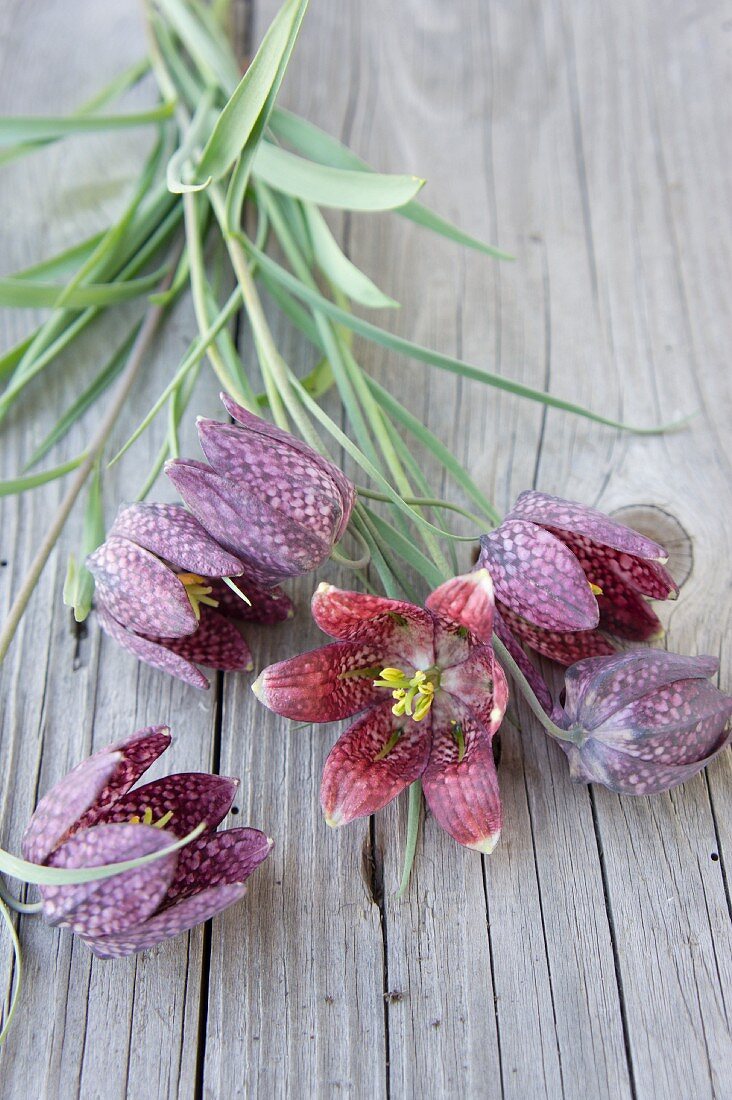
pixel 591 954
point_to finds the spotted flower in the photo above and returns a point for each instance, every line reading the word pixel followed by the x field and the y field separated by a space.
pixel 567 576
pixel 160 593
pixel 96 816
pixel 264 495
pixel 644 721
pixel 430 695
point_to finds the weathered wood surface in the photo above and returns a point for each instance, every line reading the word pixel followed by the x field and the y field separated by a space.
pixel 591 954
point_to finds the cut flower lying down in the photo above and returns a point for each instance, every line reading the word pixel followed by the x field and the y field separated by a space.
pixel 430 693
pixel 93 816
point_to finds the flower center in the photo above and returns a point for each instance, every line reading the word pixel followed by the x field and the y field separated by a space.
pixel 413 695
pixel 197 591
pixel 147 819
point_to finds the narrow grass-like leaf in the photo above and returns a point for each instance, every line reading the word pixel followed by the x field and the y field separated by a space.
pixel 336 187
pixel 237 120
pixel 180 172
pixel 435 358
pixel 63 263
pixel 406 550
pixel 86 399
pixel 338 268
pixel 24 294
pixel 32 481
pixel 34 129
pixel 311 141
pixel 217 66
pixel 17 968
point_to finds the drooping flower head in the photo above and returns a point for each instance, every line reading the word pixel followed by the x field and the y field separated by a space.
pixel 93 816
pixel 645 720
pixel 159 593
pixel 432 697
pixel 267 497
pixel 567 575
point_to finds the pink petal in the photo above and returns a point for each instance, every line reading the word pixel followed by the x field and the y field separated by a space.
pixel 347 615
pixel 168 923
pixel 564 647
pixel 538 577
pixel 114 904
pixel 152 653
pixel 271 605
pixel 536 680
pixel 357 779
pixel 220 859
pixel 254 423
pixel 468 600
pixel 139 590
pixel 478 683
pixel 577 519
pixel 271 545
pixel 320 686
pixel 96 782
pixel 453 642
pixel 463 793
pixel 172 533
pixel 216 644
pixel 191 797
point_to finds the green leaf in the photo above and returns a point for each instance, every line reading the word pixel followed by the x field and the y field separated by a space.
pixel 217 65
pixel 18 978
pixel 24 294
pixel 406 550
pixel 34 129
pixel 63 263
pixel 31 481
pixel 180 164
pixel 313 142
pixel 435 358
pixel 338 268
pixel 237 120
pixel 79 585
pixel 336 187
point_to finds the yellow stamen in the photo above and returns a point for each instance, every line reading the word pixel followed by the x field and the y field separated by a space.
pixel 596 590
pixel 147 819
pixel 413 694
pixel 197 591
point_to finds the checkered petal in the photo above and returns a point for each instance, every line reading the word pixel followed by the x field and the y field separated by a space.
pixel 610 568
pixel 191 797
pixel 538 577
pixel 536 680
pixel 371 763
pixel 468 600
pixel 109 905
pixel 462 791
pixel 406 630
pixel 156 654
pixel 93 785
pixel 218 859
pixel 565 647
pixel 478 683
pixel 139 590
pixel 172 533
pixel 271 605
pixel 216 644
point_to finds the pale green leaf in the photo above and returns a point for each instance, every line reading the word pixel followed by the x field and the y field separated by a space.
pixel 33 129
pixel 338 268
pixel 24 294
pixel 31 481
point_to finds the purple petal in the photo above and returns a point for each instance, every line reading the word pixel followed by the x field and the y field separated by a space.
pixel 254 423
pixel 272 546
pixel 170 922
pixel 468 600
pixel 216 644
pixel 220 859
pixel 139 590
pixel 625 774
pixel 94 784
pixel 536 680
pixel 371 763
pixel 536 576
pixel 152 653
pixel 578 519
pixel 609 568
pixel 598 687
pixel 479 684
pixel 460 785
pixel 276 473
pixel 271 605
pixel 191 797
pixel 110 905
pixel 563 646
pixel 172 533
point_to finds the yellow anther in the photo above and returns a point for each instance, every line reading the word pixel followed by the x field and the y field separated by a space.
pixel 596 590
pixel 413 696
pixel 147 818
pixel 197 591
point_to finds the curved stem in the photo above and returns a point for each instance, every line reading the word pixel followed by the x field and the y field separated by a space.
pixel 413 814
pixel 528 693
pixel 15 904
pixel 424 502
pixel 5 914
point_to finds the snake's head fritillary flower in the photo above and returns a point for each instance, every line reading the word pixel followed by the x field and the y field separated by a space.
pixel 645 720
pixel 566 576
pixel 95 815
pixel 266 496
pixel 430 693
pixel 160 593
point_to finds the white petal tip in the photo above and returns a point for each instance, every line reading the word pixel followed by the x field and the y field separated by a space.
pixel 486 846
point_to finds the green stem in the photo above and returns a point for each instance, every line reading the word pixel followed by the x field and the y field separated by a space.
pixel 425 502
pixel 410 847
pixel 16 905
pixel 528 693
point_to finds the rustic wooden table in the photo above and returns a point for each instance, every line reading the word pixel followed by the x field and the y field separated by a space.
pixel 591 954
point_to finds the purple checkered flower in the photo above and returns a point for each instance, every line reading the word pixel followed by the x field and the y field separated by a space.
pixel 93 816
pixel 160 593
pixel 566 576
pixel 264 495
pixel 644 721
